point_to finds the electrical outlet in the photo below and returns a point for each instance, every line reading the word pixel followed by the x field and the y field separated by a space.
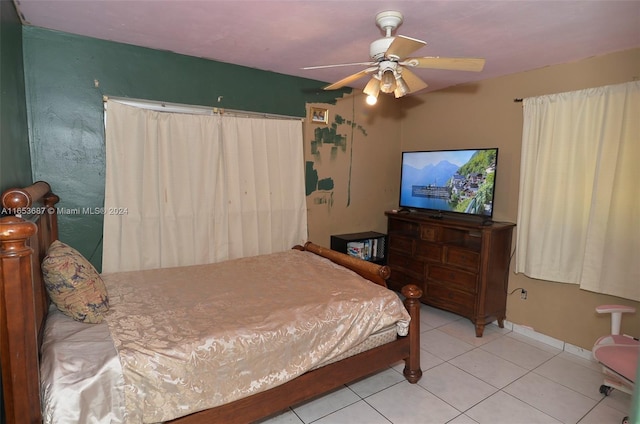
pixel 523 294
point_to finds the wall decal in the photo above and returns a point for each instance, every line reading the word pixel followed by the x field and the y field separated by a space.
pixel 323 187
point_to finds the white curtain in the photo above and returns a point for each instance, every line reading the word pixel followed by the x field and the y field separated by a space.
pixel 184 189
pixel 579 204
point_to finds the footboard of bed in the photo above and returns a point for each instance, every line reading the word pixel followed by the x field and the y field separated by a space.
pixel 327 378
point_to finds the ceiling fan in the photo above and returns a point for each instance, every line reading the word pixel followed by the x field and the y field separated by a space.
pixel 390 64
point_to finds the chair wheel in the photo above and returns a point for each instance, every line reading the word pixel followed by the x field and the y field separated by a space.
pixel 606 390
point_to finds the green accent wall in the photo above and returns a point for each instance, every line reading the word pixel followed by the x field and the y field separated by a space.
pixel 15 161
pixel 66 78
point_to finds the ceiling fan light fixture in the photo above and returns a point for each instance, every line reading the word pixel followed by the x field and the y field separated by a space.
pixel 388 81
pixel 372 90
pixel 401 87
pixel 373 87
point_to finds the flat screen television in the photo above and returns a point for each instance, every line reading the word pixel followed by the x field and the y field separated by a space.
pixel 455 181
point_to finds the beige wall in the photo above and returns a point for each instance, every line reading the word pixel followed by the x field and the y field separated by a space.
pixel 485 115
pixel 475 115
pixel 365 174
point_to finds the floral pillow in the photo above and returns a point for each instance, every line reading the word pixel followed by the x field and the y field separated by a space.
pixel 73 284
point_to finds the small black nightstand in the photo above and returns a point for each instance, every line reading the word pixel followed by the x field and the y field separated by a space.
pixel 369 245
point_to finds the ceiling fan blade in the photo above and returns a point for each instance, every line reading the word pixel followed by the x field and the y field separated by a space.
pixel 449 63
pixel 412 80
pixel 339 65
pixel 350 79
pixel 402 46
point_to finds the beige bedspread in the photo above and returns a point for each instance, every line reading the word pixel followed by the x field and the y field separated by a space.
pixel 196 337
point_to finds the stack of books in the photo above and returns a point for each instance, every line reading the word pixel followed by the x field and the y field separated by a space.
pixel 365 249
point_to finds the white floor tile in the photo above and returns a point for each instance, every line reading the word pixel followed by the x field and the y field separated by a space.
pixel 618 400
pixel 603 414
pixel 443 345
pixel 589 363
pixel 377 382
pixel 536 343
pixel 552 398
pixel 357 413
pixel 518 352
pixel 287 417
pixel 465 330
pixel 456 387
pixel 325 405
pixel 462 419
pixel 407 403
pixel 489 368
pixel 572 374
pixel 502 408
pixel 434 317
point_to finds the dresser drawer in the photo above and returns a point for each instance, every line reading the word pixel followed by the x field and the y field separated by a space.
pixel 429 233
pixel 462 257
pixel 402 244
pixel 456 278
pixel 428 251
pixel 452 300
pixel 398 226
pixel 406 263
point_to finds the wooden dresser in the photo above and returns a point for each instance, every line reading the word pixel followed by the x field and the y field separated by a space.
pixel 461 266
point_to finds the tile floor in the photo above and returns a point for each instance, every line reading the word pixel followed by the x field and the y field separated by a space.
pixel 503 377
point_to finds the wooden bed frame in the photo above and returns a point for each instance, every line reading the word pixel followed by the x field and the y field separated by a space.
pixel 24 239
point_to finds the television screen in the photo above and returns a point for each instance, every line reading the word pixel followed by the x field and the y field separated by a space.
pixel 460 181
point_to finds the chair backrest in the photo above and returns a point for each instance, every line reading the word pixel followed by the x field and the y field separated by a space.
pixel 616 312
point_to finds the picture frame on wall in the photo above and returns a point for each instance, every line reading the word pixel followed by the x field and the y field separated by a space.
pixel 319 115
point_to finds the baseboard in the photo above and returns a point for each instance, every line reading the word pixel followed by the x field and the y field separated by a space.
pixel 558 344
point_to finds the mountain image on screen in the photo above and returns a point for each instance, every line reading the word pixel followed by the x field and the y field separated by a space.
pixel 431 181
pixel 431 174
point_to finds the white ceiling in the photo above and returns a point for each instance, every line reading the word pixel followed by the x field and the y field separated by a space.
pixel 285 36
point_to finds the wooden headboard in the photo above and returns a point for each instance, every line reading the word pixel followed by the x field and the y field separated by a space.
pixel 24 239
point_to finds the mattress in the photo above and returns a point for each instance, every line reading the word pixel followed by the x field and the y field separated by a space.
pixel 165 352
pixel 81 376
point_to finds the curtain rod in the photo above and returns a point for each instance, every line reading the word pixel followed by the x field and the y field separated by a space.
pixel 516 100
pixel 193 109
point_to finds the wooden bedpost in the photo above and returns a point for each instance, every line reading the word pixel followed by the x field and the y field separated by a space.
pixel 412 370
pixel 24 239
pixel 50 201
pixel 18 328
